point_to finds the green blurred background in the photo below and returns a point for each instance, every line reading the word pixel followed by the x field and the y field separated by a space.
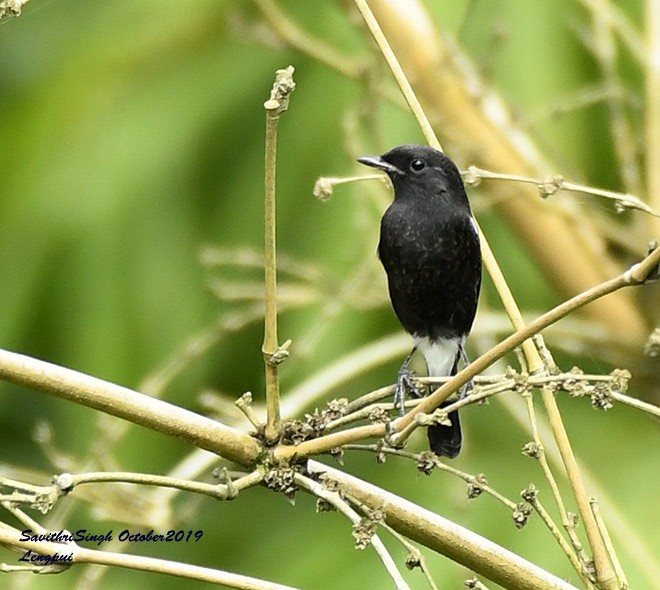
pixel 131 136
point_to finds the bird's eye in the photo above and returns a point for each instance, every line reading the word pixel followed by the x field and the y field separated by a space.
pixel 417 165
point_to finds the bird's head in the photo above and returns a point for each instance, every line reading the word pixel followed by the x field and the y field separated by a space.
pixel 417 170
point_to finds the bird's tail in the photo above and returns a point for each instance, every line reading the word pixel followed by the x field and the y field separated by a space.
pixel 446 441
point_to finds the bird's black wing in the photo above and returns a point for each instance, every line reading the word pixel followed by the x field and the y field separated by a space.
pixel 433 266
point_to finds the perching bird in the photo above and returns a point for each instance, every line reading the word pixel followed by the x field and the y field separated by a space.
pixel 429 247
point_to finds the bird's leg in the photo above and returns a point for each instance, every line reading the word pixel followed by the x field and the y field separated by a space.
pixel 404 381
pixel 468 388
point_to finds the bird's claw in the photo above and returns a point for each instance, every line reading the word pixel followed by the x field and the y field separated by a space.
pixel 466 390
pixel 405 382
pixel 469 387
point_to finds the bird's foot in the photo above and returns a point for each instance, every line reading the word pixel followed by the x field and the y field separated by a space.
pixel 405 382
pixel 467 389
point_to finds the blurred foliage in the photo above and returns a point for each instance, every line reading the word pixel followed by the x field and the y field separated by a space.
pixel 132 136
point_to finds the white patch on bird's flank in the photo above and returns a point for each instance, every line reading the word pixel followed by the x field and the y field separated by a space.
pixel 473 223
pixel 440 354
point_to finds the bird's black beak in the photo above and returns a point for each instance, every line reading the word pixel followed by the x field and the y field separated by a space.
pixel 378 162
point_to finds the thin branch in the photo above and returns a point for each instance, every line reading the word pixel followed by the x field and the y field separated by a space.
pixel 273 353
pixel 27 521
pixel 192 465
pixel 635 403
pixel 44 498
pixel 604 573
pixel 398 73
pixel 578 384
pixel 530 495
pixel 617 19
pixel 621 575
pixel 652 118
pixel 325 185
pixel 427 461
pixel 244 404
pixel 315 47
pixel 226 491
pixel 415 557
pixel 605 49
pixel 473 175
pixel 538 452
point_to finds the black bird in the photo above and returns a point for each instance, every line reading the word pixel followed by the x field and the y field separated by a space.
pixel 429 247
